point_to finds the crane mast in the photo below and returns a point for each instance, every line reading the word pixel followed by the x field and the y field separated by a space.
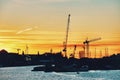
pixel 66 40
pixel 26 51
pixel 86 45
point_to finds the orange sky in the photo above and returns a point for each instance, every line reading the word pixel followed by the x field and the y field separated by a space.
pixel 42 24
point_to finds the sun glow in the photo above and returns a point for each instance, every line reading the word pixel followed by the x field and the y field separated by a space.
pixel 42 25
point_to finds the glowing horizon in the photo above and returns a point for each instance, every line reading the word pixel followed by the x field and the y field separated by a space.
pixel 42 24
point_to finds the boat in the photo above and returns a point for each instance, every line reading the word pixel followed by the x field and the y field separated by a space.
pixel 84 68
pixel 63 68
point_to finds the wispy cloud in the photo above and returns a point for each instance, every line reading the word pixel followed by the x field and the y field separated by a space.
pixel 26 29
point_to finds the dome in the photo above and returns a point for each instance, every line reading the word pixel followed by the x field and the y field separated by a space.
pixel 3 51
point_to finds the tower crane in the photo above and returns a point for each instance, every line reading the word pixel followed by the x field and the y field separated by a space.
pixel 66 40
pixel 28 58
pixel 86 45
pixel 75 46
pixel 26 50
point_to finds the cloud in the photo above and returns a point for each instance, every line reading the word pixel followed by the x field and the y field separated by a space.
pixel 26 29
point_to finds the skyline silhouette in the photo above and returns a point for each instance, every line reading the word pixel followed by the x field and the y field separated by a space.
pixel 42 25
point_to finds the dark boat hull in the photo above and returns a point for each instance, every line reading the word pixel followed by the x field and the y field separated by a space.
pixel 60 69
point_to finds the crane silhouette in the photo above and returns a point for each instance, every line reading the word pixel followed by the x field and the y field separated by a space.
pixel 86 45
pixel 65 43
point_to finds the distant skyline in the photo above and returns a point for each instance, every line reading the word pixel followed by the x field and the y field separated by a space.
pixel 41 24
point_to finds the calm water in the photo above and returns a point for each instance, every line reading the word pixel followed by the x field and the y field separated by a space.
pixel 25 73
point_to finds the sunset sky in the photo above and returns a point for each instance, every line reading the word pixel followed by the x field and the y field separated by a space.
pixel 41 24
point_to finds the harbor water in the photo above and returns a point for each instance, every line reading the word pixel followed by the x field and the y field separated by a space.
pixel 25 73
